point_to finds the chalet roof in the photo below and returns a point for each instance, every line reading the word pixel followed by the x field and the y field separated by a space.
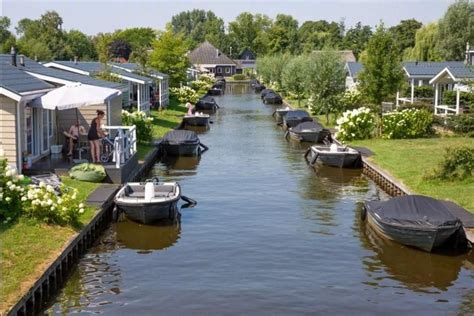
pixel 207 54
pixel 133 67
pixel 353 68
pixel 95 67
pixel 50 74
pixel 429 69
pixel 346 55
pixel 18 81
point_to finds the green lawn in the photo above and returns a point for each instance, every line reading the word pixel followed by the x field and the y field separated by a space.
pixel 27 246
pixel 410 160
pixel 163 122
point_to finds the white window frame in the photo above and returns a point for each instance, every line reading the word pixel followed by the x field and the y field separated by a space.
pixel 227 70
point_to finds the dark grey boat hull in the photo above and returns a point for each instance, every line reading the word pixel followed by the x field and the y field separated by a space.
pixel 181 149
pixel 312 137
pixel 206 106
pixel 148 213
pixel 348 160
pixel 424 239
pixel 275 100
pixel 196 121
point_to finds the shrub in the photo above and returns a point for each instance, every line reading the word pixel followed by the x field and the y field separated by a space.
pixel 350 100
pixel 208 78
pixel 408 123
pixel 11 190
pixel 458 163
pixel 355 124
pixel 419 105
pixel 466 98
pixel 42 203
pixel 201 85
pixel 463 124
pixel 143 124
pixel 185 94
pixel 239 77
pixel 424 92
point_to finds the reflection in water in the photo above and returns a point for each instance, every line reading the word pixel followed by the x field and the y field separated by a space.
pixel 147 237
pixel 418 270
pixel 197 129
pixel 177 166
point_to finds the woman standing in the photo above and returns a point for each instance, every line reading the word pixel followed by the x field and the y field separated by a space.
pixel 94 136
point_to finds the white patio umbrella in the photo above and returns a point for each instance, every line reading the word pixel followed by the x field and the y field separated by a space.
pixel 73 96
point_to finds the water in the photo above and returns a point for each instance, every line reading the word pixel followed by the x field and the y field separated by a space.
pixel 269 235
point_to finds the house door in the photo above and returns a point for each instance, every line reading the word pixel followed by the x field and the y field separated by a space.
pixel 32 132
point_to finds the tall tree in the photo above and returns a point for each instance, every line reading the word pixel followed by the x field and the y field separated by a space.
pixel 249 31
pixel 404 33
pixel 102 43
pixel 325 81
pixel 7 40
pixel 200 25
pixel 80 45
pixel 456 28
pixel 294 76
pixel 137 37
pixel 316 35
pixel 283 35
pixel 357 37
pixel 120 49
pixel 425 44
pixel 169 56
pixel 382 74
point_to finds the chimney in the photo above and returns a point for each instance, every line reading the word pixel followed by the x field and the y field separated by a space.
pixel 22 60
pixel 75 60
pixel 13 54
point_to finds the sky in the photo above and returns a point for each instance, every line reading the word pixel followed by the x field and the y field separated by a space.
pixel 92 17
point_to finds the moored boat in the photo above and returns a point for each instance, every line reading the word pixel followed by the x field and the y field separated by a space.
pixel 259 87
pixel 207 103
pixel 295 117
pixel 280 113
pixel 335 156
pixel 148 202
pixel 272 98
pixel 264 92
pixel 309 132
pixel 181 143
pixel 414 220
pixel 198 119
pixel 215 91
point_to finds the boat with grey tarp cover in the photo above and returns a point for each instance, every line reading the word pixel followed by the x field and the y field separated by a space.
pixel 272 98
pixel 264 92
pixel 295 117
pixel 309 132
pixel 335 155
pixel 416 221
pixel 181 143
pixel 207 103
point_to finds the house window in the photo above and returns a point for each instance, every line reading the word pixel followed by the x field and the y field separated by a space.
pixel 227 70
pixel 219 70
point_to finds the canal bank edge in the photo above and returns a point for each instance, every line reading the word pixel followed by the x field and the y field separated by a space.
pixel 56 272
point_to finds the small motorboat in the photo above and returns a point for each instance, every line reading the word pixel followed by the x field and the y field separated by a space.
pixel 253 82
pixel 259 87
pixel 280 113
pixel 207 103
pixel 220 84
pixel 309 132
pixel 148 202
pixel 181 143
pixel 197 119
pixel 414 220
pixel 265 91
pixel 272 98
pixel 295 117
pixel 335 155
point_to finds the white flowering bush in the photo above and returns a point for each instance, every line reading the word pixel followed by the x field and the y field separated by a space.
pixel 185 94
pixel 18 197
pixel 143 123
pixel 355 124
pixel 11 191
pixel 408 123
pixel 201 85
pixel 208 78
pixel 41 202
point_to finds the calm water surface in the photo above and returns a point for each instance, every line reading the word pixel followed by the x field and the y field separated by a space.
pixel 269 235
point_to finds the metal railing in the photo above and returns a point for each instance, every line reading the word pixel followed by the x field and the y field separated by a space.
pixel 124 143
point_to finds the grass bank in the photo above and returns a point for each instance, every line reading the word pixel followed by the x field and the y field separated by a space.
pixel 27 246
pixel 410 160
pixel 163 122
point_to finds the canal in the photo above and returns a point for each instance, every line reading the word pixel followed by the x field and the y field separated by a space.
pixel 269 235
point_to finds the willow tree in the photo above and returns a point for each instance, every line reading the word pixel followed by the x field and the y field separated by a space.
pixel 325 81
pixel 294 76
pixel 382 73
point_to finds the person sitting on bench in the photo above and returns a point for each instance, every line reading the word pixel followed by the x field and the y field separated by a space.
pixel 75 131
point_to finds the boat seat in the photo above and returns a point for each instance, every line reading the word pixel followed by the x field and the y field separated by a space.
pixel 141 195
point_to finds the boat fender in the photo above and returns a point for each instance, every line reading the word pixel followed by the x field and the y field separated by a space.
pixel 363 213
pixel 149 191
